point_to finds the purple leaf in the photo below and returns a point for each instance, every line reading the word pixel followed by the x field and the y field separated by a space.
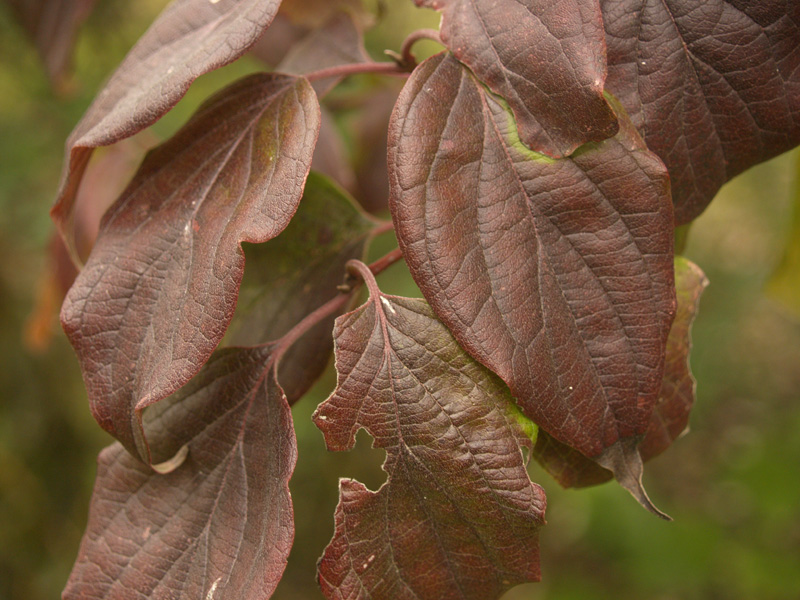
pixel 671 414
pixel 546 59
pixel 555 274
pixel 189 38
pixel 221 524
pixel 458 516
pixel 161 284
pixel 714 87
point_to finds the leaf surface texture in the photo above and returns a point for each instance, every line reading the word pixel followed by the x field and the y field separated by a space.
pixel 161 284
pixel 555 274
pixel 458 516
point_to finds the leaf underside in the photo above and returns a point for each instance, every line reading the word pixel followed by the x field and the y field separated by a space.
pixel 555 274
pixel 220 525
pixel 546 59
pixel 713 87
pixel 188 39
pixel 161 284
pixel 675 400
pixel 458 516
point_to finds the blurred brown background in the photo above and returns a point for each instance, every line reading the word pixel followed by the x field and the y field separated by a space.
pixel 732 484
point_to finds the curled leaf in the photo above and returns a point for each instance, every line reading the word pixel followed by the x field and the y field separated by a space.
pixel 161 284
pixel 188 39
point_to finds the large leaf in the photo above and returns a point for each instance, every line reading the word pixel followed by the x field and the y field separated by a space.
pixel 547 59
pixel 296 273
pixel 51 25
pixel 190 38
pixel 160 286
pixel 556 274
pixel 675 400
pixel 219 526
pixel 714 87
pixel 458 516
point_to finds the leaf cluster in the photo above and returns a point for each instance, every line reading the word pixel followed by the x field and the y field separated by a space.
pixel 537 170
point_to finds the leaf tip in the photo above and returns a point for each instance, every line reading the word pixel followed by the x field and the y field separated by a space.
pixel 624 461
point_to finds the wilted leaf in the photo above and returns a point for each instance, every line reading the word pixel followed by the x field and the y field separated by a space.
pixel 160 286
pixel 219 526
pixel 556 274
pixel 296 273
pixel 337 42
pixel 714 87
pixel 546 59
pixel 52 25
pixel 458 516
pixel 671 414
pixel 190 38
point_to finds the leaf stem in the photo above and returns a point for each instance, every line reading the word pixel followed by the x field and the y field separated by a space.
pixel 354 267
pixel 386 261
pixel 385 68
pixel 406 56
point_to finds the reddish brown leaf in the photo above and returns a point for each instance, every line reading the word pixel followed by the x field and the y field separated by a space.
pixel 547 59
pixel 337 42
pixel 296 273
pixel 714 87
pixel 160 286
pixel 219 526
pixel 671 415
pixel 458 516
pixel 190 38
pixel 556 274
pixel 52 25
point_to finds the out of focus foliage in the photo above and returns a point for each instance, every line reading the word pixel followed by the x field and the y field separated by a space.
pixel 731 484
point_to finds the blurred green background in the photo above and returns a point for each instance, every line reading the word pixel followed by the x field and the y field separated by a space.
pixel 732 485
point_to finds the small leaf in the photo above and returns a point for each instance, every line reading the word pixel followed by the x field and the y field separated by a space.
pixel 546 59
pixel 458 516
pixel 51 25
pixel 337 42
pixel 296 273
pixel 555 274
pixel 161 284
pixel 188 39
pixel 675 400
pixel 219 526
pixel 714 86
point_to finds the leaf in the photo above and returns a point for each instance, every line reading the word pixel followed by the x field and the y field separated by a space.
pixel 52 25
pixel 546 59
pixel 188 39
pixel 160 286
pixel 555 274
pixel 296 273
pixel 219 526
pixel 670 417
pixel 337 42
pixel 714 87
pixel 458 516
